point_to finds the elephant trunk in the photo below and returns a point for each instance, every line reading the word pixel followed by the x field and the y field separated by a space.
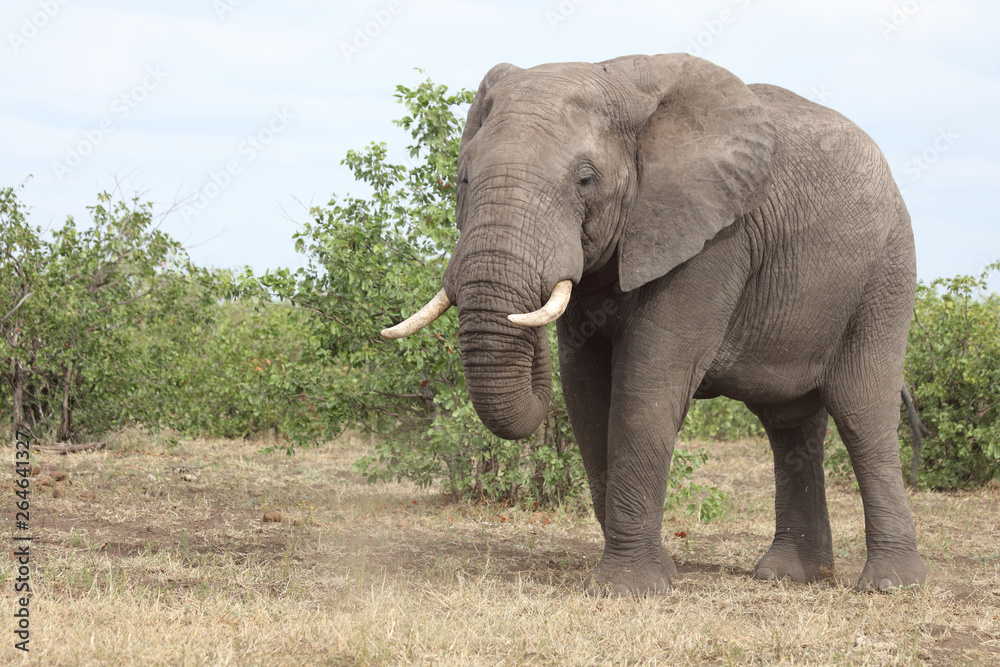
pixel 507 264
pixel 508 371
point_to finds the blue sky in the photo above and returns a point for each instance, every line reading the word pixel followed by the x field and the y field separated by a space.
pixel 243 109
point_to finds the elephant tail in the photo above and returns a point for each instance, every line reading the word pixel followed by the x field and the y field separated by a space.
pixel 918 435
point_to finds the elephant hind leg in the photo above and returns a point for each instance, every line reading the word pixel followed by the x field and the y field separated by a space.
pixel 862 395
pixel 802 549
pixel 869 433
pixel 868 418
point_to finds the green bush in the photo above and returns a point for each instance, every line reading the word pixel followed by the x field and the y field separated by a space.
pixel 109 324
pixel 720 419
pixel 67 303
pixel 703 503
pixel 233 369
pixel 371 262
pixel 953 372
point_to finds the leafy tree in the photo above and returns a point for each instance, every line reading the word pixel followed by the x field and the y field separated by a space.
pixel 953 371
pixel 21 262
pixel 371 260
pixel 69 301
pixel 109 325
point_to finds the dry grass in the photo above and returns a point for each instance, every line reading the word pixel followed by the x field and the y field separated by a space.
pixel 151 554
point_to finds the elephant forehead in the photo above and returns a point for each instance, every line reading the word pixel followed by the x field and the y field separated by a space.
pixel 560 86
pixel 533 142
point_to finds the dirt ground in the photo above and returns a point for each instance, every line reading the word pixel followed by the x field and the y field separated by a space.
pixel 214 553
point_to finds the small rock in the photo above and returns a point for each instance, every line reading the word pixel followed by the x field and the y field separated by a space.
pixel 189 478
pixel 59 475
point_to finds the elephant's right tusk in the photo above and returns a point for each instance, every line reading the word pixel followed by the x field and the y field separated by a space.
pixel 551 311
pixel 434 309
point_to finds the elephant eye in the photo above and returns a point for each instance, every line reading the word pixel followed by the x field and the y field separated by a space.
pixel 464 180
pixel 586 176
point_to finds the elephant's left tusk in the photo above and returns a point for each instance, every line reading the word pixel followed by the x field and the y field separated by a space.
pixel 434 309
pixel 551 311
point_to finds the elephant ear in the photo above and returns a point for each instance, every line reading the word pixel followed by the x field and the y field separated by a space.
pixel 704 159
pixel 478 112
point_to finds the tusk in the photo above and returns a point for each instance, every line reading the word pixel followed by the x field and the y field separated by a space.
pixel 551 311
pixel 434 309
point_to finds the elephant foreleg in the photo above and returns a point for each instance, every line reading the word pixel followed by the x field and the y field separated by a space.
pixel 586 374
pixel 586 379
pixel 635 561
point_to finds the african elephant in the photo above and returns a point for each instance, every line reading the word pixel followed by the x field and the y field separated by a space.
pixel 702 237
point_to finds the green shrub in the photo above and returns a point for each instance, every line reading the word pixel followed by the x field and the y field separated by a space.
pixel 953 371
pixel 703 503
pixel 109 324
pixel 720 419
pixel 371 261
pixel 67 302
pixel 232 369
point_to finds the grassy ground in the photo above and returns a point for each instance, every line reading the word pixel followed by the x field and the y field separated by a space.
pixel 153 554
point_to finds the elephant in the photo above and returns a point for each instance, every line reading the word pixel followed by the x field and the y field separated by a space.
pixel 692 236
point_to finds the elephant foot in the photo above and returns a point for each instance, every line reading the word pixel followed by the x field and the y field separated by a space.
pixel 886 573
pixel 800 565
pixel 639 580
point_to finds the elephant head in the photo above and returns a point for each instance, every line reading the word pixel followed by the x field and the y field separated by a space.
pixel 566 167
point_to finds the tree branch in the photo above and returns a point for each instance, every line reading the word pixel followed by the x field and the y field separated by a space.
pixel 14 309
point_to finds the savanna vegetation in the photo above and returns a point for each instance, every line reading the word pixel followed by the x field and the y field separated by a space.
pixel 212 552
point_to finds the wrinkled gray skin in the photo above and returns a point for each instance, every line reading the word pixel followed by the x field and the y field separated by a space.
pixel 722 239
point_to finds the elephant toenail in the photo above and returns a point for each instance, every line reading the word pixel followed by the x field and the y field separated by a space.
pixel 886 584
pixel 765 573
